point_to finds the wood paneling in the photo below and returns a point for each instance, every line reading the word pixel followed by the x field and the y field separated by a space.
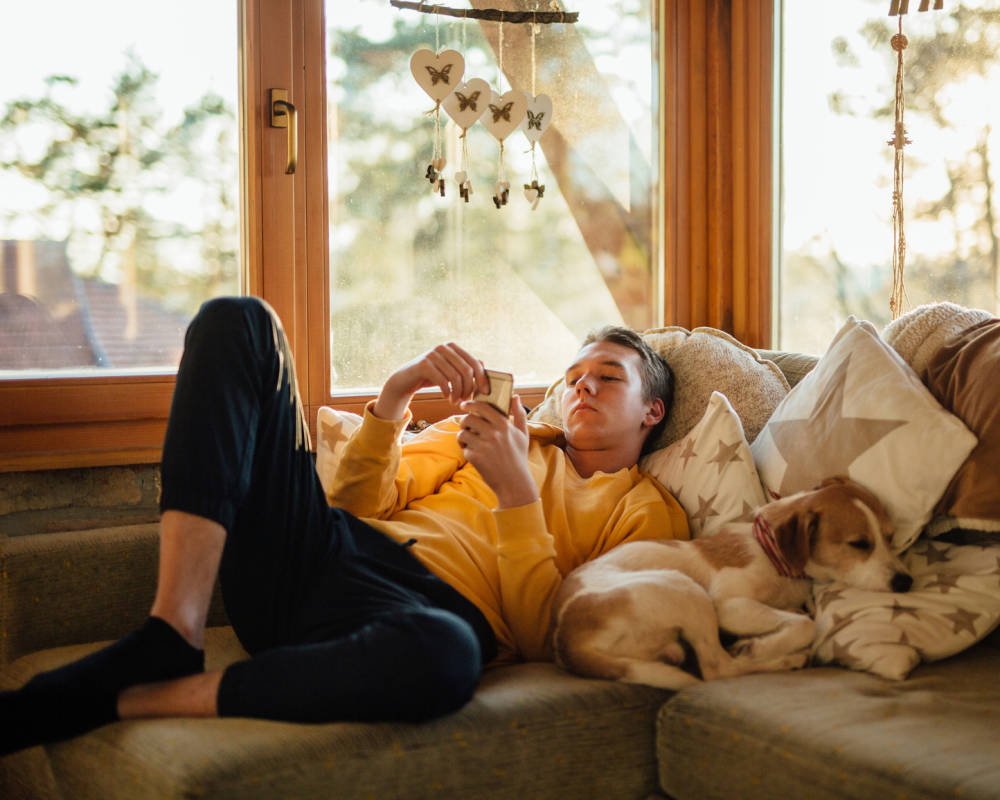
pixel 717 165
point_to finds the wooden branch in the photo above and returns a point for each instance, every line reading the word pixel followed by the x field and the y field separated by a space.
pixel 494 14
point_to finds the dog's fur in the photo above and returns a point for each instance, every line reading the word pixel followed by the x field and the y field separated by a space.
pixel 631 614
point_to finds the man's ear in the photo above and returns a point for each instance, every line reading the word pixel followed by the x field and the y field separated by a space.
pixel 654 413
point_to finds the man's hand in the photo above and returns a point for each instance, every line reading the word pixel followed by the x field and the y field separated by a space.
pixel 498 448
pixel 456 373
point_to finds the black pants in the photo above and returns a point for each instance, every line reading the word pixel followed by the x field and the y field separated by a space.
pixel 342 623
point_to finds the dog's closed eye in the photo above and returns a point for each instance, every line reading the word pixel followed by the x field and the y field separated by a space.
pixel 860 544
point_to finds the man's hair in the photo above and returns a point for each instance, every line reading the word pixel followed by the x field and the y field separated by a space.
pixel 657 377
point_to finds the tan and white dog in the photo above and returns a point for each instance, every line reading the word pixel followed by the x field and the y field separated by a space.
pixel 632 614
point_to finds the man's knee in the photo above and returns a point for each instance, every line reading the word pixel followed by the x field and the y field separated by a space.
pixel 446 661
pixel 231 312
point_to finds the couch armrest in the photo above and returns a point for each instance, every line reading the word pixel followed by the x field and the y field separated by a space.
pixel 76 587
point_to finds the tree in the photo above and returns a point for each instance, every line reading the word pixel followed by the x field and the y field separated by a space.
pixel 942 70
pixel 102 172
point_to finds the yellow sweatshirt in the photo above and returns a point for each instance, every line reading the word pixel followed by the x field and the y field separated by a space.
pixel 509 562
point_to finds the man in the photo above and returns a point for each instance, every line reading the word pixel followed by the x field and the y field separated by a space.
pixel 430 560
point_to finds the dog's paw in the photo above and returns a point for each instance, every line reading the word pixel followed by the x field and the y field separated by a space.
pixel 797 660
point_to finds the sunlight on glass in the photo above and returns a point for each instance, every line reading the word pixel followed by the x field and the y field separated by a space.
pixel 517 287
pixel 119 197
pixel 838 85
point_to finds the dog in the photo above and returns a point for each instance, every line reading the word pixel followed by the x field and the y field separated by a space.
pixel 638 612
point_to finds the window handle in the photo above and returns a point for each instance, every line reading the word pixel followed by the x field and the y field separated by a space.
pixel 284 115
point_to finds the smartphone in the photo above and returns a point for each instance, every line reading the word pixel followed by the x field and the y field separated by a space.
pixel 501 390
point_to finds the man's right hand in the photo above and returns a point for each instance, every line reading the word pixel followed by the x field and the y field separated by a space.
pixel 450 368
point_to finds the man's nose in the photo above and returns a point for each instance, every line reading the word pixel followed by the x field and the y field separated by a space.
pixel 585 385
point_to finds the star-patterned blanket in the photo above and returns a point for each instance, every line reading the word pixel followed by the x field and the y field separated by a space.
pixel 954 602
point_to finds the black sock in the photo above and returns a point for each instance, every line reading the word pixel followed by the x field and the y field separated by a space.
pixel 83 695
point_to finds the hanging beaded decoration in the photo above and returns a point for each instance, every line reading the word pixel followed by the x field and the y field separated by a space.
pixel 440 74
pixel 538 117
pixel 465 106
pixel 899 140
pixel 437 72
pixel 505 113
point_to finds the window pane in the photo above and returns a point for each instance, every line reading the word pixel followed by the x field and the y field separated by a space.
pixel 517 287
pixel 119 201
pixel 838 85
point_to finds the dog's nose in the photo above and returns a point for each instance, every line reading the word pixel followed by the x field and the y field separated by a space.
pixel 901 582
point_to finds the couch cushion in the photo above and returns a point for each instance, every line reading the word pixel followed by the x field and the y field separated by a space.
pixel 962 375
pixel 830 734
pixel 78 586
pixel 863 413
pixel 530 731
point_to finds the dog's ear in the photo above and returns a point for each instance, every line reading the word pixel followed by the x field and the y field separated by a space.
pixel 795 535
pixel 834 480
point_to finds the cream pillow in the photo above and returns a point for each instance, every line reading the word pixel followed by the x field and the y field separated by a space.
pixel 863 413
pixel 333 429
pixel 710 471
pixel 703 360
pixel 954 603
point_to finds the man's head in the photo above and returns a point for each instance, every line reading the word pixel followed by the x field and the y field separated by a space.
pixel 618 392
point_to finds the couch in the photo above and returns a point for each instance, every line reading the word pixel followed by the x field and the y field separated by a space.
pixel 531 731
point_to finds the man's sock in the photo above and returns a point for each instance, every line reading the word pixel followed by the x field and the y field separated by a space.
pixel 83 695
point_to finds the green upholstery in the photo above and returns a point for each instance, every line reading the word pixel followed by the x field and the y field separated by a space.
pixel 531 731
pixel 833 734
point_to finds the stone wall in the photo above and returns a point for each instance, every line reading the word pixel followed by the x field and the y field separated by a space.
pixel 78 499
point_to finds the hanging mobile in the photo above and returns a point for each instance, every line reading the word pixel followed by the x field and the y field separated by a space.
pixel 465 106
pixel 438 73
pixel 504 114
pixel 538 117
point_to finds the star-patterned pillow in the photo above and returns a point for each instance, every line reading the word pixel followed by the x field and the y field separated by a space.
pixel 710 471
pixel 333 429
pixel 862 412
pixel 954 602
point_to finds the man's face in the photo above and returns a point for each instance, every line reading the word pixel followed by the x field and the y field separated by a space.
pixel 602 401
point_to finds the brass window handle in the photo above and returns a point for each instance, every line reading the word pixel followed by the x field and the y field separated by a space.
pixel 284 115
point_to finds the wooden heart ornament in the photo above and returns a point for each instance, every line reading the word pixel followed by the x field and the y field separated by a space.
pixel 438 74
pixel 468 102
pixel 537 117
pixel 505 113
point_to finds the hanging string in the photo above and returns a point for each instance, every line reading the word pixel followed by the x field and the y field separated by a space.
pixel 898 141
pixel 534 30
pixel 500 59
pixel 437 37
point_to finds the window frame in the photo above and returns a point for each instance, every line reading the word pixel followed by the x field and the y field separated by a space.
pixel 715 245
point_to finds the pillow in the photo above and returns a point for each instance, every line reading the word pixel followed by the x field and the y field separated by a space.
pixel 862 412
pixel 333 429
pixel 918 334
pixel 954 603
pixel 963 376
pixel 703 360
pixel 710 471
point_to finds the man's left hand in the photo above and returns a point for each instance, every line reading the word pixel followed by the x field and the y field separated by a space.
pixel 498 448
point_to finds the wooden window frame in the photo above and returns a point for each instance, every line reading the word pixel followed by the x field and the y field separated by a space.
pixel 715 249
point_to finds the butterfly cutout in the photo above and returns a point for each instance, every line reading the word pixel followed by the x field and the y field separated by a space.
pixel 501 112
pixel 535 120
pixel 438 75
pixel 467 102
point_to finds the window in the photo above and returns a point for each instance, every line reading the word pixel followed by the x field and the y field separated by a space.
pixel 837 90
pixel 119 193
pixel 517 286
pixel 700 116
